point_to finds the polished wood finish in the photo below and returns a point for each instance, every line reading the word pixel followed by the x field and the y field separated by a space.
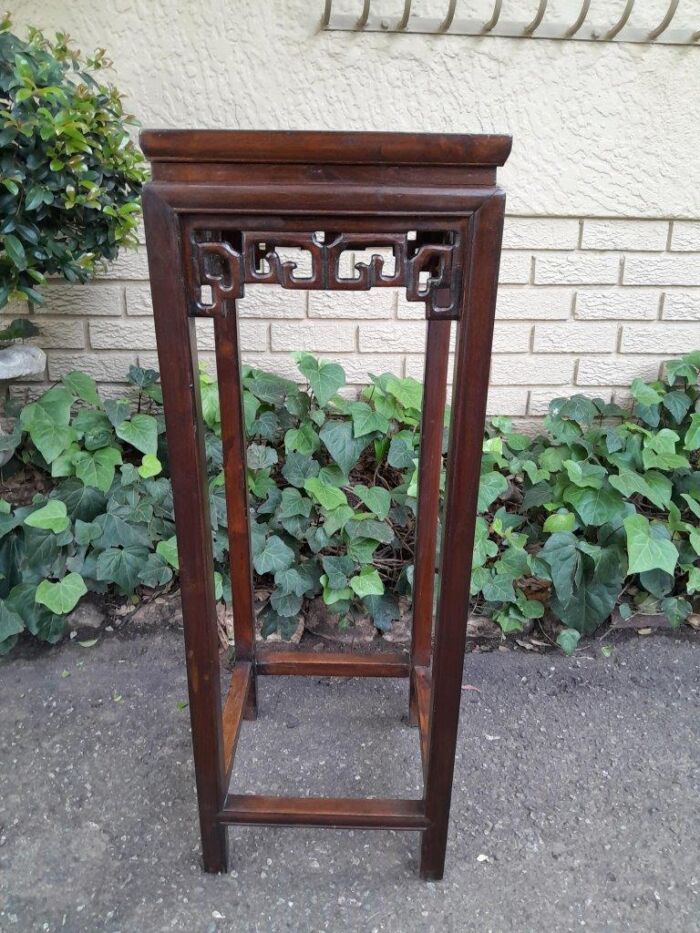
pixel 219 206
pixel 332 663
pixel 347 812
pixel 234 710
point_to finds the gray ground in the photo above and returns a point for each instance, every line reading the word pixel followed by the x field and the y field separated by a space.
pixel 575 805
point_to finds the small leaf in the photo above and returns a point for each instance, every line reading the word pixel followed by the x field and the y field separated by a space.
pixel 367 583
pixel 324 378
pixel 274 556
pixel 141 431
pixel 150 466
pixel 376 499
pixel 168 551
pixel 647 551
pixel 568 639
pixel 328 497
pixel 63 596
pixel 52 517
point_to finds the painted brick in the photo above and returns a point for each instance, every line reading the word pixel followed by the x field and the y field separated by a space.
pixel 576 269
pixel 16 308
pixel 377 303
pixel 516 303
pixel 415 367
pixel 681 306
pixel 409 310
pixel 625 234
pixel 103 367
pixel 532 370
pixel 540 233
pixel 515 268
pixel 511 338
pixel 574 338
pixel 617 304
pixel 662 270
pixel 619 371
pixel 676 338
pixel 93 300
pixel 323 336
pixel 122 335
pixel 129 264
pixel 409 337
pixel 268 301
pixel 539 399
pixel 138 300
pixel 685 235
pixel 506 401
pixel 60 334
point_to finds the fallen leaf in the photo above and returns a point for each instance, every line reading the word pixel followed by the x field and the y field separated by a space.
pixel 491 738
pixel 693 621
pixel 644 631
pixel 88 644
pixel 481 857
pixel 470 687
pixel 606 651
pixel 65 673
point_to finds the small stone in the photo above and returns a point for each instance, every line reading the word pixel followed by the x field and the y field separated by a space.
pixel 86 619
pixel 21 360
pixel 164 610
pixel 482 627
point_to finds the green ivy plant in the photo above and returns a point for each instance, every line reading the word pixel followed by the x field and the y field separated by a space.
pixel 70 177
pixel 600 510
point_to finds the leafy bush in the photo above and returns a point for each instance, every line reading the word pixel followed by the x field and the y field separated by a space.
pixel 71 176
pixel 602 509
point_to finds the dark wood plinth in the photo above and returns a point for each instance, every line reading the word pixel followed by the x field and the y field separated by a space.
pixel 218 207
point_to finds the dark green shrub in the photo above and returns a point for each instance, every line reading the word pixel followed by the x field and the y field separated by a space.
pixel 70 175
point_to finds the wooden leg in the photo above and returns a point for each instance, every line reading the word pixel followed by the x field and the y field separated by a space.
pixel 234 447
pixel 468 412
pixel 432 426
pixel 177 350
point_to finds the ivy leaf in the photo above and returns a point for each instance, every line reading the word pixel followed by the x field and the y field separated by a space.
pixel 285 603
pixel 383 609
pixel 408 392
pixel 117 410
pixel 365 420
pixel 401 453
pixel 376 499
pixel 498 588
pixel 324 378
pixel 48 435
pixel 97 469
pixel 116 531
pixel 328 497
pixel 562 520
pixel 293 504
pixel 595 506
pixel 291 580
pixel 568 639
pixel 692 435
pixel 274 556
pixel 83 502
pixel 10 625
pixel 646 550
pixel 345 449
pixel 141 431
pixel 167 549
pixel 585 474
pixel 298 468
pixel 150 466
pixel 367 583
pixel 86 532
pixel 303 439
pixel 677 403
pixel 484 547
pixel 369 528
pixel 82 386
pixel 492 485
pixel 63 596
pixel 564 560
pixel 653 486
pixel 260 456
pixel 676 610
pixel 645 394
pixel 337 570
pixel 122 566
pixel 52 517
pixel 335 519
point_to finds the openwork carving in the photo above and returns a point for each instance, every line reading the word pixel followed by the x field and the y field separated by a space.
pixel 427 264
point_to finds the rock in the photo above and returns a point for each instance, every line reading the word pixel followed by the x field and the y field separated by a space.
pixel 400 633
pixel 86 619
pixel 323 623
pixel 21 360
pixel 482 627
pixel 164 610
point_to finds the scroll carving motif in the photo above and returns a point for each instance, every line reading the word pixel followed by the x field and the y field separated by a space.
pixel 428 265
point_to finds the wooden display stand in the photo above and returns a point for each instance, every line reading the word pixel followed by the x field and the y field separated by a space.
pixel 219 206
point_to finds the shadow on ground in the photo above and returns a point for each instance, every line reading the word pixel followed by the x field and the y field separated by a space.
pixel 575 802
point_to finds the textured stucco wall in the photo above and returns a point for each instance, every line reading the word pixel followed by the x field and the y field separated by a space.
pixel 602 270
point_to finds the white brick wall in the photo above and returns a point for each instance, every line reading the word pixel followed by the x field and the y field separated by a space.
pixel 585 304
